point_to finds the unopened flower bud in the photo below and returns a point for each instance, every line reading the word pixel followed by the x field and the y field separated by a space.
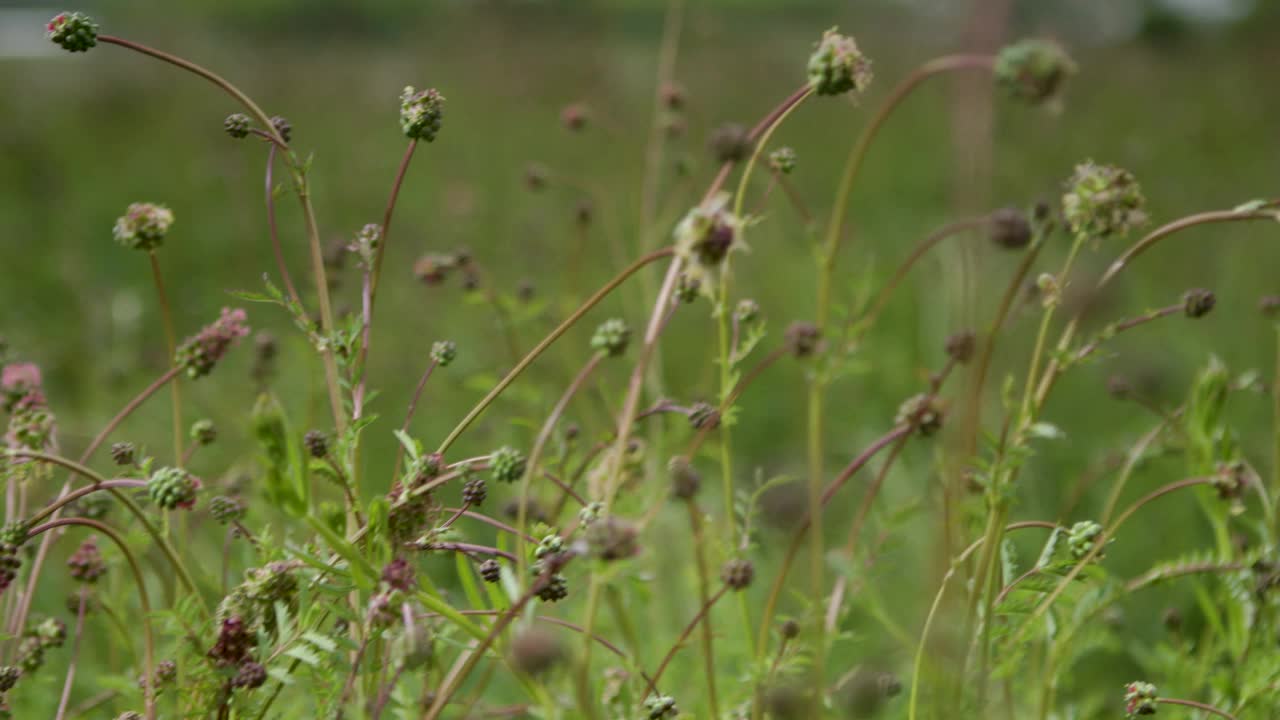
pixel 837 66
pixel 72 31
pixel 237 125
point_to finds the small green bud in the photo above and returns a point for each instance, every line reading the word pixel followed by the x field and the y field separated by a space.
pixel 226 509
pixel 237 125
pixel 506 464
pixel 1082 537
pixel 421 113
pixel 611 337
pixel 1103 200
pixel 1033 71
pixel 172 488
pixel 73 31
pixel 204 432
pixel 444 352
pixel 837 66
pixel 783 160
pixel 1140 699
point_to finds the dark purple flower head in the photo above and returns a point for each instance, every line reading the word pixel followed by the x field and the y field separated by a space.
pixel 201 352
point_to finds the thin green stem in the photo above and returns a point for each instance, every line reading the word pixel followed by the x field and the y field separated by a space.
pixel 803 530
pixel 1197 705
pixel 272 229
pixel 704 589
pixel 918 664
pixel 1097 548
pixel 535 455
pixel 171 346
pixel 212 77
pixel 684 635
pixel 148 663
pixel 24 607
pixel 546 342
pixel 99 481
pixel 300 188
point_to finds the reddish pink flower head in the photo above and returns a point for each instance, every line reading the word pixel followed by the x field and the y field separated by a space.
pixel 20 377
pixel 201 352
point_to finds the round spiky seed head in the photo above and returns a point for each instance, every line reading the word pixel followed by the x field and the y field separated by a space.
pixel 250 675
pixel 1230 480
pixel 746 311
pixel 536 650
pixel 421 113
pixel 1082 537
pixel 235 642
pixel 9 564
pixel 685 479
pixel 143 226
pixel 9 676
pixel 226 509
pixel 122 453
pixel 730 143
pixel 444 352
pixel 921 412
pixel 550 545
pixel 166 672
pixel 204 432
pixel 399 575
pixel 474 492
pixel 1033 70
pixel 704 415
pixel 1103 200
pixel 13 536
pixel 1172 619
pixel 960 346
pixel 85 564
pixel 687 289
pixel 738 574
pixel 611 337
pixel 490 571
pixel 1010 229
pixel 506 464
pixel 283 126
pixel 172 488
pixel 1140 699
pixel 316 442
pixel 272 583
pixel 612 539
pixel 783 160
pixel 790 629
pixel 1197 302
pixel 803 338
pixel 837 66
pixel 237 125
pixel 659 707
pixel 72 31
pixel 30 654
pixel 555 589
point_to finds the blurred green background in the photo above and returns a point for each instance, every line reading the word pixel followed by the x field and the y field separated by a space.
pixel 1181 93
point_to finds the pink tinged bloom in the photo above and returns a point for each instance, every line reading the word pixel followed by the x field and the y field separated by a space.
pixel 201 352
pixel 20 377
